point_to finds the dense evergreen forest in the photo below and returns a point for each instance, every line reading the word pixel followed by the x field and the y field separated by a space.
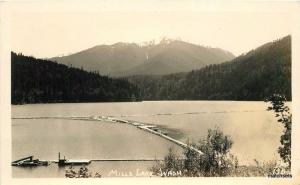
pixel 41 81
pixel 253 76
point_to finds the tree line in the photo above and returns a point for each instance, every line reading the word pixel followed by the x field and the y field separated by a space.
pixel 253 76
pixel 42 81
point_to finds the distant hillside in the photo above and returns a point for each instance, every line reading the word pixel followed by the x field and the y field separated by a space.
pixel 41 81
pixel 166 57
pixel 254 76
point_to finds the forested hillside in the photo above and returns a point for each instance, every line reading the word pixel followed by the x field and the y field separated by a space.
pixel 253 76
pixel 41 81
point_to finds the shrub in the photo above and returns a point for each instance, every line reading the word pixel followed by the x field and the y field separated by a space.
pixel 216 159
pixel 170 166
pixel 282 112
pixel 83 172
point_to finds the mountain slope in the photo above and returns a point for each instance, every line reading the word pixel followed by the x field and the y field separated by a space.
pixel 254 76
pixel 42 81
pixel 106 59
pixel 123 59
pixel 177 56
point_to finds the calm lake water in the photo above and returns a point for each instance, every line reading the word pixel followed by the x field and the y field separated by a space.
pixel 254 131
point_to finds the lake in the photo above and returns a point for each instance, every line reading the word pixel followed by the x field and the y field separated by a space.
pixel 254 130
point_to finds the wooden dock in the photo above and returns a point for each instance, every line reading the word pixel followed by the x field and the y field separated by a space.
pixel 144 159
pixel 170 139
pixel 153 129
pixel 64 161
pixel 29 161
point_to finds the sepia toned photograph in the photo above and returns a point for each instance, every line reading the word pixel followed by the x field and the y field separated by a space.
pixel 110 91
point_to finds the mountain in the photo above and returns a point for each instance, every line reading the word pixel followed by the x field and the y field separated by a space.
pixel 253 76
pixel 106 59
pixel 166 57
pixel 42 81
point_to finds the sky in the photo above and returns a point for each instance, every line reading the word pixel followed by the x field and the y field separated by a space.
pixel 51 30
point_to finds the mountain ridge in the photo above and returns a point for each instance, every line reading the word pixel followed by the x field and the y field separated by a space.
pixel 123 59
pixel 255 75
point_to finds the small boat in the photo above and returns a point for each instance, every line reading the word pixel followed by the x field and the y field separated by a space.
pixel 29 161
pixel 34 163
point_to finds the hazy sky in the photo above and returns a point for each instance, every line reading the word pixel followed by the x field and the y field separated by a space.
pixel 50 32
